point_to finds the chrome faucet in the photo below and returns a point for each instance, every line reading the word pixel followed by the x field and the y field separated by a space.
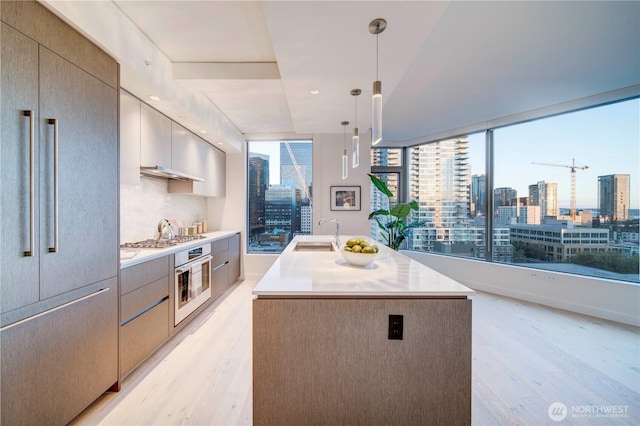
pixel 333 220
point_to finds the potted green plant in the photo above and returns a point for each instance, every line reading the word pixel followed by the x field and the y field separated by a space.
pixel 394 230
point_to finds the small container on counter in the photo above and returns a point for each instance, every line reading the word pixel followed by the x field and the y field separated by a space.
pixel 191 230
pixel 204 225
pixel 198 226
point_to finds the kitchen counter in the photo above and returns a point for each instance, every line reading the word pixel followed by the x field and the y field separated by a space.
pixel 147 254
pixel 327 274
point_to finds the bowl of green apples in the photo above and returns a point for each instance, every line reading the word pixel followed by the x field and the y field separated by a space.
pixel 359 252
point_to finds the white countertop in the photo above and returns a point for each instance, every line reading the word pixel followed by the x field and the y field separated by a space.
pixel 146 254
pixel 326 274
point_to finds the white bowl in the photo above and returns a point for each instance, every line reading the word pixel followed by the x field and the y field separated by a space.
pixel 358 259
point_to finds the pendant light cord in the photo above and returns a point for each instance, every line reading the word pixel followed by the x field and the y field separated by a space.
pixel 344 137
pixel 377 56
pixel 355 119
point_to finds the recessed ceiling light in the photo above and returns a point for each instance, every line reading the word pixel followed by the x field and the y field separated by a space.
pixel 315 91
pixel 154 98
pixel 220 143
pixel 203 131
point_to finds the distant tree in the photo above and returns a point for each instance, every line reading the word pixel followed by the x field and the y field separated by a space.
pixel 610 261
pixel 518 254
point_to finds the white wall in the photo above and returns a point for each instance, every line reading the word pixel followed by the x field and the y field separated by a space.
pixel 612 300
pixel 327 172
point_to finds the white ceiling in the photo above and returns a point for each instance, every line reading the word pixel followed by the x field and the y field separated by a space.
pixel 443 65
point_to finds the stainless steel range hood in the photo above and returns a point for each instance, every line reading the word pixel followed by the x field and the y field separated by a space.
pixel 160 172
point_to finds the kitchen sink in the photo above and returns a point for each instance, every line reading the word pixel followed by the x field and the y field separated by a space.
pixel 314 246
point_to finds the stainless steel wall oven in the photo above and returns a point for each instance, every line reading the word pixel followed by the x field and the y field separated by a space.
pixel 192 280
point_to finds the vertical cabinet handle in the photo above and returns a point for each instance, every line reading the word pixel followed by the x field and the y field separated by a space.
pixel 54 123
pixel 32 187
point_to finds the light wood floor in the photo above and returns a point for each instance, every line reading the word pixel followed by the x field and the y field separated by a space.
pixel 525 357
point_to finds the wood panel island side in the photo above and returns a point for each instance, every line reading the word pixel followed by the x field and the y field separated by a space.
pixel 323 351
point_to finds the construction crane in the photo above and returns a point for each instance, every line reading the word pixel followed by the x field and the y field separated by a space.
pixel 573 168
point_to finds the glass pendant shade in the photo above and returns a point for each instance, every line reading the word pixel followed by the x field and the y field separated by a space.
pixel 355 140
pixel 376 119
pixel 355 148
pixel 345 164
pixel 345 157
pixel 376 27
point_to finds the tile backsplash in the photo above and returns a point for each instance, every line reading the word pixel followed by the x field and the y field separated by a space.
pixel 143 206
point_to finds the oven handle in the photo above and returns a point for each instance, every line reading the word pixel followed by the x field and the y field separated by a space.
pixel 183 268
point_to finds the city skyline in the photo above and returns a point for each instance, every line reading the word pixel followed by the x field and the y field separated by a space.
pixel 604 138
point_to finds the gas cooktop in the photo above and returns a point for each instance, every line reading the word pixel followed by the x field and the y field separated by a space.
pixel 155 244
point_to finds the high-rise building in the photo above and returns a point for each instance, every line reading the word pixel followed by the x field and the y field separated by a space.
pixel 545 195
pixel 529 215
pixel 506 215
pixel 384 157
pixel 280 209
pixel 298 169
pixel 478 195
pixel 258 185
pixel 443 176
pixel 504 197
pixel 296 165
pixel 306 224
pixel 613 197
pixel 440 176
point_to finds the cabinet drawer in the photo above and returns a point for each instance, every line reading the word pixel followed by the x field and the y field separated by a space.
pixel 140 275
pixel 142 336
pixel 57 363
pixel 140 299
pixel 220 245
pixel 220 258
pixel 219 280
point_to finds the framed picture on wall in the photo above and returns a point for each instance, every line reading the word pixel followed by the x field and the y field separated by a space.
pixel 345 198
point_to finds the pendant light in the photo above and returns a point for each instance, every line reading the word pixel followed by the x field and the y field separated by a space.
pixel 376 27
pixel 345 158
pixel 355 144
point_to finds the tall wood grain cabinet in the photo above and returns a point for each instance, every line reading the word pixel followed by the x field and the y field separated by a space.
pixel 59 207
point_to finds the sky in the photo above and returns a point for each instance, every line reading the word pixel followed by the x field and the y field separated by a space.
pixel 606 139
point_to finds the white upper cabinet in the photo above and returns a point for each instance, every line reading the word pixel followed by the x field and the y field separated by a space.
pixel 185 156
pixel 149 138
pixel 213 170
pixel 155 138
pixel 216 172
pixel 197 157
pixel 129 139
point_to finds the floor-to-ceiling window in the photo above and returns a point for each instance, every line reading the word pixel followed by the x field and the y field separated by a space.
pixel 279 195
pixel 447 180
pixel 566 188
pixel 560 193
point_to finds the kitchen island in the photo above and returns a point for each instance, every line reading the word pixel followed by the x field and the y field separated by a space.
pixel 387 343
